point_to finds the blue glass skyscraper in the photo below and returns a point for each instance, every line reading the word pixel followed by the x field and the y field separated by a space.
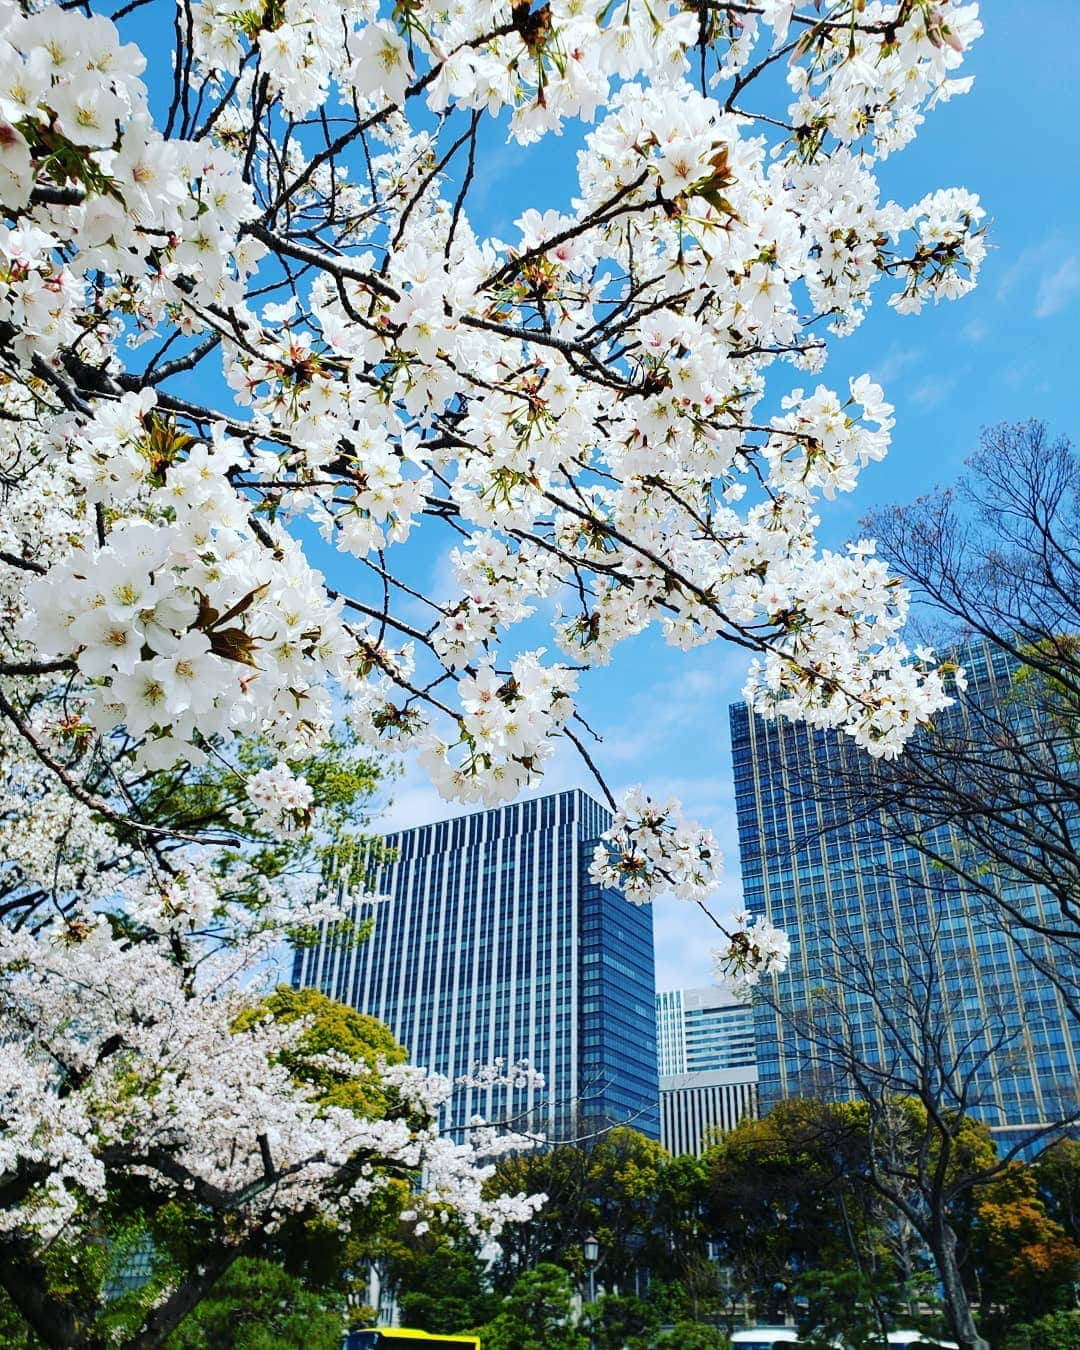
pixel 847 884
pixel 492 944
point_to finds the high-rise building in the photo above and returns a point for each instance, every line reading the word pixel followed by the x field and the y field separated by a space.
pixel 849 888
pixel 708 1065
pixel 491 943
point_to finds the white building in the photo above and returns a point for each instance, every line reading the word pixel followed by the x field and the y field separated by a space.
pixel 708 1065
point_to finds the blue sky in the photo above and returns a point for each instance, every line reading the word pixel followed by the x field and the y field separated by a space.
pixel 1007 352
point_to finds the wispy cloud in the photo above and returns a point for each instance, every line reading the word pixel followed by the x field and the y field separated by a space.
pixel 1050 268
pixel 894 363
pixel 691 703
pixel 1058 289
pixel 932 391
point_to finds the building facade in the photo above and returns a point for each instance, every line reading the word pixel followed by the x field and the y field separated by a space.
pixel 490 943
pixel 869 916
pixel 708 1065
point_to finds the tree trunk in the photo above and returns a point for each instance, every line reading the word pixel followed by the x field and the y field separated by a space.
pixel 168 1315
pixel 56 1321
pixel 957 1304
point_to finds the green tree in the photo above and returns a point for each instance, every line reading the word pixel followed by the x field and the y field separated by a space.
pixel 258 1305
pixel 781 1201
pixel 537 1314
pixel 446 1291
pixel 1058 1331
pixel 619 1188
pixel 1057 1173
pixel 615 1319
pixel 691 1336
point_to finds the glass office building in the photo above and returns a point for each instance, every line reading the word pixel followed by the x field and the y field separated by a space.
pixel 708 1065
pixel 491 943
pixel 851 893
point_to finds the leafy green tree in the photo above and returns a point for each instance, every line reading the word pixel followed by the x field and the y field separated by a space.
pixel 858 1303
pixel 692 1336
pixel 681 1211
pixel 333 1030
pixel 616 1319
pixel 537 1314
pixel 779 1199
pixel 1057 1173
pixel 197 799
pixel 258 1305
pixel 542 1299
pixel 625 1171
pixel 1058 1331
pixel 669 1299
pixel 624 1189
pixel 446 1291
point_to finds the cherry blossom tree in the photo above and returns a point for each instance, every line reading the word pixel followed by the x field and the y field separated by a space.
pixel 247 299
pixel 146 1075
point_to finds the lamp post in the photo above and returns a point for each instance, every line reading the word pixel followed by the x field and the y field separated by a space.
pixel 591 1250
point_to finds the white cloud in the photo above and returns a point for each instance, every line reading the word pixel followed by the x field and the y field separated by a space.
pixel 896 360
pixel 1057 290
pixel 692 704
pixel 684 941
pixel 933 390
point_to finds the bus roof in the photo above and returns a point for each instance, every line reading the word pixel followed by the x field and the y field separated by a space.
pixel 392 1335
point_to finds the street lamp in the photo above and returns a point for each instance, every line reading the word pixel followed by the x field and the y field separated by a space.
pixel 591 1250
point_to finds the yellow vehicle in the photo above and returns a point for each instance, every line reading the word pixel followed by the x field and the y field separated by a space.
pixel 400 1338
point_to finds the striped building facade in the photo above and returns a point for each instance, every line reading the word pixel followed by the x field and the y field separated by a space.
pixel 708 1065
pixel 490 944
pixel 695 1107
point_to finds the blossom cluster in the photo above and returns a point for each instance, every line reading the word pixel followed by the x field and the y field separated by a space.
pixel 754 949
pixel 95 189
pixel 284 800
pixel 650 850
pixel 507 730
pixel 184 624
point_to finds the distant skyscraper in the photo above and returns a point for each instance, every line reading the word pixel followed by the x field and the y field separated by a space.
pixel 831 876
pixel 494 944
pixel 707 1062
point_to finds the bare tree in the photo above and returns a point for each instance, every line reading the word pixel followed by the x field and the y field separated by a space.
pixel 885 1034
pixel 995 563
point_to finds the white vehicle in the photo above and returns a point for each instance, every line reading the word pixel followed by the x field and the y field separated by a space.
pixel 904 1340
pixel 763 1338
